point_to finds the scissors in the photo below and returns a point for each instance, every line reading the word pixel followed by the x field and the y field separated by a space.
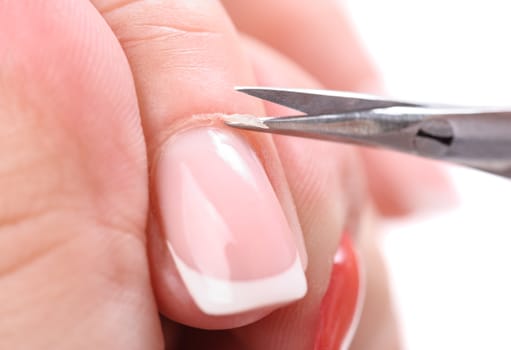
pixel 479 138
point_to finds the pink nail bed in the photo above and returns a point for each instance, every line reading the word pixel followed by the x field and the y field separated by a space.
pixel 224 225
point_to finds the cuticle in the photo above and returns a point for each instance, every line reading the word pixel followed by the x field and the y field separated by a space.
pixel 186 124
pixel 196 121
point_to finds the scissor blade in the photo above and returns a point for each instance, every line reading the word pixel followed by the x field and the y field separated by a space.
pixel 386 127
pixel 354 124
pixel 316 102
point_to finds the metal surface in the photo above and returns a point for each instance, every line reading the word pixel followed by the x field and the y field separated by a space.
pixel 315 102
pixel 476 138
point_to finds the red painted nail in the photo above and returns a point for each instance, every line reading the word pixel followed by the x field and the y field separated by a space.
pixel 340 303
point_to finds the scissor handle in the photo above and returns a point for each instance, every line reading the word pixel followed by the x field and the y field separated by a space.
pixel 481 140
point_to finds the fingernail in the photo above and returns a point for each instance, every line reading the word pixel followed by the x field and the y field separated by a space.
pixel 224 225
pixel 341 305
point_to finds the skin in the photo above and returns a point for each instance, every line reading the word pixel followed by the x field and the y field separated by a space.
pixel 83 118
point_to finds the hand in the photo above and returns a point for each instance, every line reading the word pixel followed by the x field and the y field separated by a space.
pixel 93 94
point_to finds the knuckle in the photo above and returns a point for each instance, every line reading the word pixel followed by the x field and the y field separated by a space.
pixel 135 23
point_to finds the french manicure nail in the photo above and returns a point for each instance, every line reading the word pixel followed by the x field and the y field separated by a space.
pixel 224 225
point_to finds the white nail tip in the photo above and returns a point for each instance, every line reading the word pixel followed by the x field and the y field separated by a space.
pixel 216 296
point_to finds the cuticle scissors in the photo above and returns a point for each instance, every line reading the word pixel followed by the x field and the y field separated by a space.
pixel 476 137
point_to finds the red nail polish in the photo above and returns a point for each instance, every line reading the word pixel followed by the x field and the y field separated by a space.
pixel 339 307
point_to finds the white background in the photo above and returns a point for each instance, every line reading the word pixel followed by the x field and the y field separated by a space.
pixel 451 273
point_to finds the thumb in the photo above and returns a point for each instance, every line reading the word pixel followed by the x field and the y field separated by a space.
pixel 72 183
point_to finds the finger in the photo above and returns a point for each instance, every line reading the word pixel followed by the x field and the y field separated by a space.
pixel 329 49
pixel 378 327
pixel 318 36
pixel 73 267
pixel 225 237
